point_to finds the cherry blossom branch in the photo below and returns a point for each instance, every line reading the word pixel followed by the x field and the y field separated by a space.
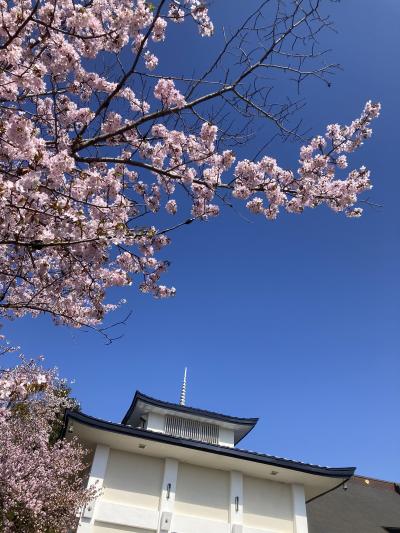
pixel 90 160
pixel 21 27
pixel 80 145
pixel 104 105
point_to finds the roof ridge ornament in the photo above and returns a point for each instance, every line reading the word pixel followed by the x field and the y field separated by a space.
pixel 182 400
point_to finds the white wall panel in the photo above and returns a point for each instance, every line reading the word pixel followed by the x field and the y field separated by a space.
pixel 267 505
pixel 127 515
pixel 133 479
pixel 202 492
pixel 100 527
pixel 191 524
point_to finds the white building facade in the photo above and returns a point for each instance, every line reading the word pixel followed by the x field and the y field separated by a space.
pixel 168 468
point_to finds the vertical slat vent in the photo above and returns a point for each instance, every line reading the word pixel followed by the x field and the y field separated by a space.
pixel 191 429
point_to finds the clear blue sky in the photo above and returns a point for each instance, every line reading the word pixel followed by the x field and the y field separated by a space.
pixel 295 321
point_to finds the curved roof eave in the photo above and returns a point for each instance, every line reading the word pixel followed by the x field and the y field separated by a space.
pixel 345 472
pixel 139 396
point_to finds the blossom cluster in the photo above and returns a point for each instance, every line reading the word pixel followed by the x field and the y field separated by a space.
pixel 194 162
pixel 316 181
pixel 41 482
pixel 170 96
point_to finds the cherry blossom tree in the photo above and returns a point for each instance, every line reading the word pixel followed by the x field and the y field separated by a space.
pixel 41 477
pixel 98 143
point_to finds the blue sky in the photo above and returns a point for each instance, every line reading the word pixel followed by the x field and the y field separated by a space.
pixel 295 321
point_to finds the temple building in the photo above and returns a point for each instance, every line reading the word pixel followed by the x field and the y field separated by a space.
pixel 172 468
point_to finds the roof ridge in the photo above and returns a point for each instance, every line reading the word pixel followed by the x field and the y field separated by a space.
pixel 361 476
pixel 186 408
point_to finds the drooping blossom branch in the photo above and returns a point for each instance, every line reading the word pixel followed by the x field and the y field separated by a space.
pixel 98 145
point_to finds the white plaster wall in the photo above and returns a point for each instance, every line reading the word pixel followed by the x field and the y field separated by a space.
pixel 202 492
pixel 131 500
pixel 195 524
pixel 133 479
pixel 100 527
pixel 127 515
pixel 267 505
pixel 156 422
pixel 299 509
pixel 226 437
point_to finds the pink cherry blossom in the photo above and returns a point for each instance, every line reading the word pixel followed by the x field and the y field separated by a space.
pixel 41 483
pixel 170 96
pixel 171 207
pixel 98 144
pixel 159 30
pixel 151 61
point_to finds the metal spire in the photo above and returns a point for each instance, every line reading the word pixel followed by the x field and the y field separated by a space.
pixel 182 400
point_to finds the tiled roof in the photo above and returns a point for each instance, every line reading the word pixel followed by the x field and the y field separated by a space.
pixel 237 453
pixel 186 409
pixel 366 505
